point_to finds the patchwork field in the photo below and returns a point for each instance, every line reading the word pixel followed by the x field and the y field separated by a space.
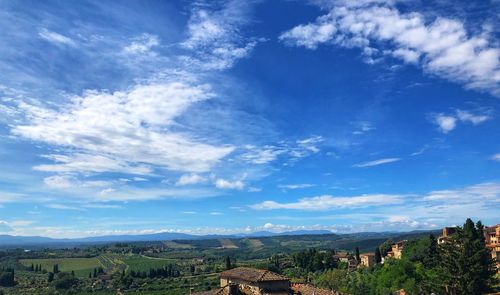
pixel 81 266
pixel 227 244
pixel 143 263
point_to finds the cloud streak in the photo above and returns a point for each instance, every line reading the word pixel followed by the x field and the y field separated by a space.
pixel 376 162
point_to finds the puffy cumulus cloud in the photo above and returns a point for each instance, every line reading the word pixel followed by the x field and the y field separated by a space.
pixel 448 122
pixel 376 162
pixel 328 202
pixel 442 47
pixel 131 130
pixel 445 123
pixel 214 35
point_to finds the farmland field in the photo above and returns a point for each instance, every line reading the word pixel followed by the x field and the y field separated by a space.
pixel 143 263
pixel 81 266
pixel 227 244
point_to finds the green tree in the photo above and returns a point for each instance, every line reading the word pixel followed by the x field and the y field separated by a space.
pixel 55 268
pixel 228 262
pixel 378 256
pixel 466 264
pixel 358 258
pixel 50 277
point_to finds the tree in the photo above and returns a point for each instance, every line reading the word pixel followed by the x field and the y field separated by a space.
pixel 55 268
pixel 378 256
pixel 466 264
pixel 50 277
pixel 358 259
pixel 32 267
pixel 7 278
pixel 228 262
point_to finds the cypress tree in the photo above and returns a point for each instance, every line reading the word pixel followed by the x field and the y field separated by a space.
pixel 378 256
pixel 358 258
pixel 228 262
pixel 51 277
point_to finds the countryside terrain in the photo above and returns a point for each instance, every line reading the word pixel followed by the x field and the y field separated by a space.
pixel 164 267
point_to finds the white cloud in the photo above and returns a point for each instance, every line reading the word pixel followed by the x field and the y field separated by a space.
pixel 442 47
pixel 67 181
pixel 214 36
pixel 448 122
pixel 142 44
pixel 496 157
pixel 466 116
pixel 295 186
pixel 192 178
pixel 328 202
pixel 293 150
pixel 216 213
pixel 262 156
pixel 82 162
pixel 253 189
pixel 102 206
pixel 376 162
pixel 130 130
pixel 55 38
pixel 142 179
pixel 445 123
pixel 226 184
pixel 64 207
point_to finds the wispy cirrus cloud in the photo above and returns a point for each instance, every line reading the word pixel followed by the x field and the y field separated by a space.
pixel 296 185
pixel 442 47
pixel 376 162
pixel 55 38
pixel 214 35
pixel 328 202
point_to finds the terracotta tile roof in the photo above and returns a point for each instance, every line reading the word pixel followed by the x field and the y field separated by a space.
pixel 252 275
pixel 304 289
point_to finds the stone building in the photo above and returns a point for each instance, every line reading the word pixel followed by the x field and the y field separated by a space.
pixel 367 259
pixel 447 231
pixel 397 250
pixel 252 281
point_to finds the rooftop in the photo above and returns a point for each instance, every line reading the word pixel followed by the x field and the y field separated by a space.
pixel 252 275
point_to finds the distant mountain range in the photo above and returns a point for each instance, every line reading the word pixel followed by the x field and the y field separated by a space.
pixel 8 240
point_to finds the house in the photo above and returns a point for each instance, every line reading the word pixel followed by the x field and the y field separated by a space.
pixel 397 250
pixel 306 289
pixel 252 281
pixel 367 259
pixel 247 280
pixel 492 237
pixel 447 231
pixel 349 259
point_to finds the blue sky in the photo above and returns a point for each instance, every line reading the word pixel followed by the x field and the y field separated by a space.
pixel 241 116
